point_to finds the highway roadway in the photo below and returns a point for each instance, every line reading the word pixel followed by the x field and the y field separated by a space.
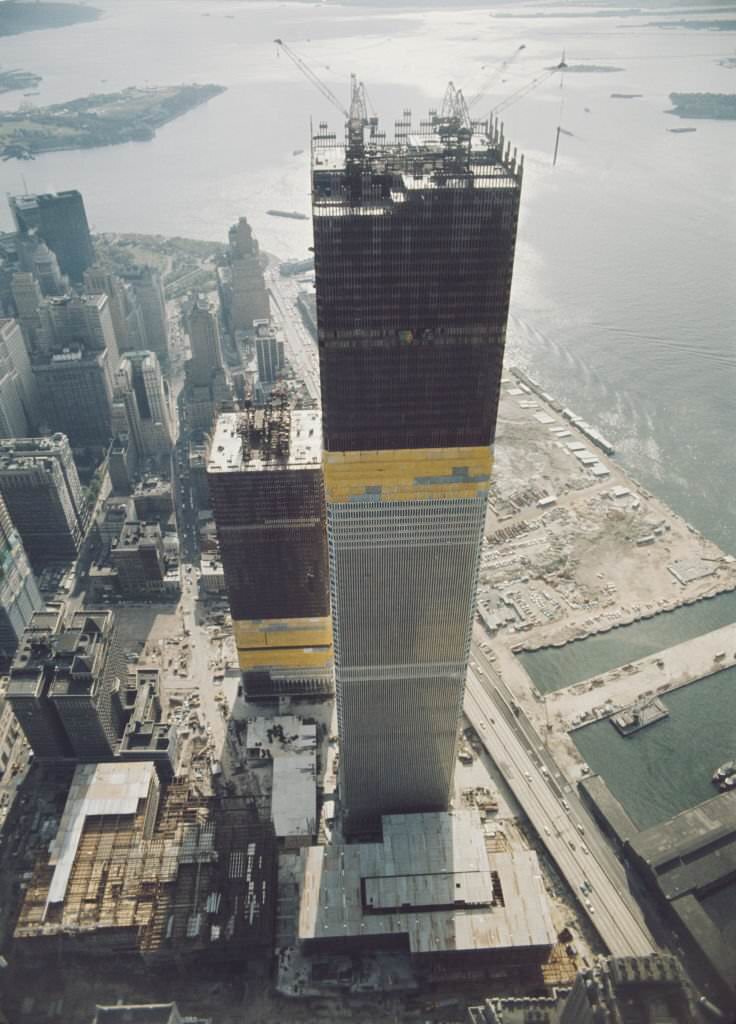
pixel 301 348
pixel 581 855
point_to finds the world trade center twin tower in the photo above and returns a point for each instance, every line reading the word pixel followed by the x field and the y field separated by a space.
pixel 414 246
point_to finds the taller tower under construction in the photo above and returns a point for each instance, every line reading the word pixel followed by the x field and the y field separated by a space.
pixel 414 246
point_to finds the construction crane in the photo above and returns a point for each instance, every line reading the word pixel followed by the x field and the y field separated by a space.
pixel 493 72
pixel 356 117
pixel 529 86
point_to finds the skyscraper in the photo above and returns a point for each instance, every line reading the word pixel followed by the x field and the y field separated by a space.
pixel 414 246
pixel 242 289
pixel 139 387
pixel 77 357
pixel 60 686
pixel 28 300
pixel 58 219
pixel 204 339
pixel 19 594
pixel 265 483
pixel 125 310
pixel 149 295
pixel 41 488
pixel 19 411
pixel 269 353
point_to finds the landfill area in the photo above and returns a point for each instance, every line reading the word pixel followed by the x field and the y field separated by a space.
pixel 573 546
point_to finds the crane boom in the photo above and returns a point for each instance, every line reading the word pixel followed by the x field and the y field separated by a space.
pixel 525 90
pixel 313 78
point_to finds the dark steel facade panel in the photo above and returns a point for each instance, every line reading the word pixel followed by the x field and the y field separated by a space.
pixel 412 301
pixel 271 529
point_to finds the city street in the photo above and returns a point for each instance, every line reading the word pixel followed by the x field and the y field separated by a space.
pixel 582 857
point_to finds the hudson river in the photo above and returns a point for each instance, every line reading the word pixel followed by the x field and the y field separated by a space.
pixel 624 295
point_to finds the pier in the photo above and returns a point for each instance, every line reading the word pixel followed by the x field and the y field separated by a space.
pixel 611 692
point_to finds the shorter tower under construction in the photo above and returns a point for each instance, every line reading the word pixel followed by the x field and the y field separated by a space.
pixel 265 482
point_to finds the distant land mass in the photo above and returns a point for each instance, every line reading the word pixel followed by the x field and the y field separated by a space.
pixel 105 119
pixel 14 80
pixel 716 106
pixel 17 16
pixel 579 69
pixel 714 25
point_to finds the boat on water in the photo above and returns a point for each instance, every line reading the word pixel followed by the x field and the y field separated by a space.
pixel 298 152
pixel 725 776
pixel 292 214
pixel 639 716
pixel 681 131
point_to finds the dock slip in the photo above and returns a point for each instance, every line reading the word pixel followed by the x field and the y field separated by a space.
pixel 613 692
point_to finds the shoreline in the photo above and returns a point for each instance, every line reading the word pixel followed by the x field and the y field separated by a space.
pixel 687 602
pixel 575 546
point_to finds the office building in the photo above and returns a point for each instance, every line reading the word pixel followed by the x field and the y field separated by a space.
pixel 140 391
pixel 145 736
pixel 41 488
pixel 687 864
pixel 138 557
pixel 241 285
pixel 113 516
pixel 80 686
pixel 204 402
pixel 269 353
pixel 27 689
pixel 36 257
pixel 60 686
pixel 83 322
pixel 19 412
pixel 59 220
pixel 204 340
pixel 19 594
pixel 618 990
pixel 74 366
pixel 75 394
pixel 125 310
pixel 149 295
pixel 199 447
pixel 121 464
pixel 265 484
pixel 27 298
pixel 153 500
pixel 414 246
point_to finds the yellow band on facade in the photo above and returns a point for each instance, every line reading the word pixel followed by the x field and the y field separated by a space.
pixel 287 657
pixel 407 474
pixel 307 632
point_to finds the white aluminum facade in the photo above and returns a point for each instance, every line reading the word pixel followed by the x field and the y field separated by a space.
pixel 403 579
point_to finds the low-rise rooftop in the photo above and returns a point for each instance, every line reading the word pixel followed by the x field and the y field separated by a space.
pixel 432 880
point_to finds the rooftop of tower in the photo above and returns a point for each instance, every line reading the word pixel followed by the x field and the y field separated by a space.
pixel 440 152
pixel 274 438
